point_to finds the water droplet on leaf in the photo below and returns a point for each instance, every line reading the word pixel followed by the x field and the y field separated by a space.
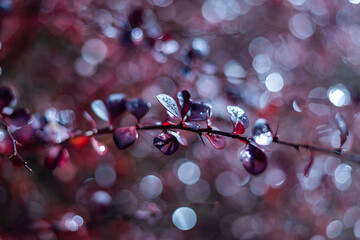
pixel 262 134
pixel 239 119
pixel 170 104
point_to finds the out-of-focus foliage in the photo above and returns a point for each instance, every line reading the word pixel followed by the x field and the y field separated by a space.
pixel 295 63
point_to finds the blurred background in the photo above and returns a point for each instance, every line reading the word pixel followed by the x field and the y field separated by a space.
pixel 295 63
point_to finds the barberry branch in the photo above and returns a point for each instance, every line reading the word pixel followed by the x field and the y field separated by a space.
pixel 15 153
pixel 244 139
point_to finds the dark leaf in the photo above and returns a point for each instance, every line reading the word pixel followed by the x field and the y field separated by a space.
pixel 309 165
pixel 56 156
pixel 116 105
pixel 262 133
pixel 180 138
pixel 124 137
pixel 239 119
pixel 138 108
pixel 217 141
pixel 170 104
pixel 18 117
pixel 344 132
pixel 253 159
pixel 6 97
pixel 136 17
pixel 100 110
pixel 166 143
pixel 199 112
pixel 184 101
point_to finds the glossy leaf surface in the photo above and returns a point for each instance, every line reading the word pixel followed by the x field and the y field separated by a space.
pixel 166 143
pixel 199 112
pixel 6 97
pixel 170 104
pixel 116 105
pixel 138 108
pixel 184 101
pixel 218 141
pixel 239 119
pixel 254 160
pixel 124 137
pixel 100 110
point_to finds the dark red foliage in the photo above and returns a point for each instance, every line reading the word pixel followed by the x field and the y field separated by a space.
pixel 124 137
pixel 136 17
pixel 199 112
pixel 56 156
pixel 184 101
pixel 6 97
pixel 138 108
pixel 116 105
pixel 218 141
pixel 239 119
pixel 166 143
pixel 254 160
pixel 19 117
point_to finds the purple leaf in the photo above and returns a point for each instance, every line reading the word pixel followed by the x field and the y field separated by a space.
pixel 100 110
pixel 56 156
pixel 166 143
pixel 239 119
pixel 199 112
pixel 6 97
pixel 254 160
pixel 135 18
pixel 184 101
pixel 138 108
pixel 344 132
pixel 116 105
pixel 170 104
pixel 217 141
pixel 18 117
pixel 124 137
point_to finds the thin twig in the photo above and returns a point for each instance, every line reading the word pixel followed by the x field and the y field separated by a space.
pixel 244 139
pixel 14 144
